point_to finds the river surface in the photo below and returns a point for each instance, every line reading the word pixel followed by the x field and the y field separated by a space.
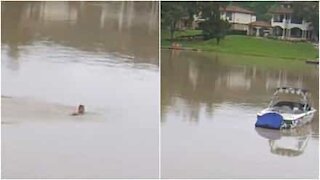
pixel 57 55
pixel 209 103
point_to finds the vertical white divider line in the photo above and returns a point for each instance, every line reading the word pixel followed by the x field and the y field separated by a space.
pixel 0 91
pixel 159 34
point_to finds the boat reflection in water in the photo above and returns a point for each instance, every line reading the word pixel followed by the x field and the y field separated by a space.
pixel 287 142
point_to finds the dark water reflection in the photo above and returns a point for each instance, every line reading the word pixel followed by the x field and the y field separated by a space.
pixel 209 103
pixel 298 139
pixel 100 54
pixel 127 28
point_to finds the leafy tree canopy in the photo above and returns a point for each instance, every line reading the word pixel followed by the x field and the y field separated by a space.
pixel 172 12
pixel 213 26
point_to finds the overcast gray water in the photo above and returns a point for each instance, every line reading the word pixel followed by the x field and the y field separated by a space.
pixel 209 104
pixel 56 55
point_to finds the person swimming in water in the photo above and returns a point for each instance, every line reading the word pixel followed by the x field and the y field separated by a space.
pixel 80 111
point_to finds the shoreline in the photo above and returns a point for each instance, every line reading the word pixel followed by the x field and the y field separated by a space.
pixel 249 46
pixel 242 54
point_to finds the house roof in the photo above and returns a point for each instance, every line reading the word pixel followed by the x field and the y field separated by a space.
pixel 281 10
pixel 261 24
pixel 238 9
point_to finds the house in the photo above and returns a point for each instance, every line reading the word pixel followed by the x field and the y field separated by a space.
pixel 239 18
pixel 286 25
pixel 260 28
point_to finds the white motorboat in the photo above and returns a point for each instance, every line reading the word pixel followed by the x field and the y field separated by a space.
pixel 284 114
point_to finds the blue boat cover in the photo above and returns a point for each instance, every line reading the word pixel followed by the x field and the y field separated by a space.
pixel 270 120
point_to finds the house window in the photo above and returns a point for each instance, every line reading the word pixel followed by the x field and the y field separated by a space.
pixel 296 20
pixel 229 16
pixel 278 18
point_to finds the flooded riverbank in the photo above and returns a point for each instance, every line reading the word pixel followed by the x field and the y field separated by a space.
pixel 57 55
pixel 209 103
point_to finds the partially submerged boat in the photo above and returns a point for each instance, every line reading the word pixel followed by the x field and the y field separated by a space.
pixel 312 62
pixel 284 114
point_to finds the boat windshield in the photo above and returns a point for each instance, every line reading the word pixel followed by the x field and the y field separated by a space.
pixel 290 100
pixel 289 107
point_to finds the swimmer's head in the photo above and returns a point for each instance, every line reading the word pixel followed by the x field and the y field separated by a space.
pixel 81 109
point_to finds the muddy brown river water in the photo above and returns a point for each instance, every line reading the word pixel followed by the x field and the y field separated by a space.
pixel 56 55
pixel 209 103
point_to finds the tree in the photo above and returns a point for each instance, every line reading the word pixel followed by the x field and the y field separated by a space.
pixel 212 26
pixel 172 12
pixel 309 10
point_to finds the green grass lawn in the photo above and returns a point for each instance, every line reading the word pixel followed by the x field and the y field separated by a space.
pixel 166 34
pixel 248 45
pixel 259 61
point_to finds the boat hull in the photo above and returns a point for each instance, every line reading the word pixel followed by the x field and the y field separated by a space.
pixel 275 120
pixel 298 121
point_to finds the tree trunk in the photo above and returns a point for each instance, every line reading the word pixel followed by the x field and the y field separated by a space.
pixel 172 29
